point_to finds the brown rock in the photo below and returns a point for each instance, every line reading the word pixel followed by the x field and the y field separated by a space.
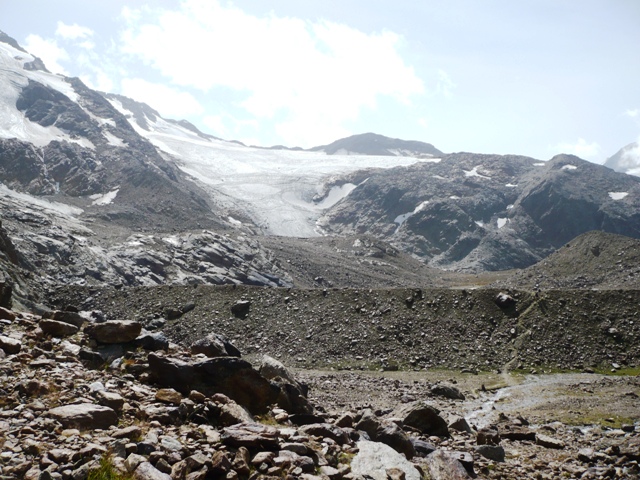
pixel 113 331
pixel 488 436
pixel 6 314
pixel 169 395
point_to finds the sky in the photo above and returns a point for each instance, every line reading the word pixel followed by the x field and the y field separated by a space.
pixel 527 77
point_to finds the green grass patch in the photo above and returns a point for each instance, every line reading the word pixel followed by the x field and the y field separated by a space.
pixel 106 471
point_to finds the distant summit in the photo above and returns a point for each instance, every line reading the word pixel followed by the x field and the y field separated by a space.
pixel 374 144
pixel 626 160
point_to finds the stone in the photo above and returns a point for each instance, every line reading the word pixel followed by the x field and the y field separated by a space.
pixel 549 442
pixel 152 341
pixel 519 434
pixel 231 376
pixel 250 435
pixel 241 308
pixel 442 465
pixel 113 331
pixel 448 391
pixel 271 368
pixel 459 424
pixel 84 416
pixel 6 314
pixel 586 455
pixel 231 413
pixel 488 436
pixel 71 318
pixel 385 432
pixel 214 345
pixel 146 471
pixel 169 395
pixel 327 430
pixel 425 418
pixel 421 447
pixel 374 459
pixel 492 452
pixel 110 399
pixel 11 346
pixel 504 300
pixel 133 432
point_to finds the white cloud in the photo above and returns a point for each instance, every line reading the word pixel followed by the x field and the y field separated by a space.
pixel 633 113
pixel 168 101
pixel 445 85
pixel 49 51
pixel 581 148
pixel 310 78
pixel 73 32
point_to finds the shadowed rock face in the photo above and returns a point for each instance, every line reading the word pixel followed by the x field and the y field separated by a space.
pixel 488 212
pixel 230 376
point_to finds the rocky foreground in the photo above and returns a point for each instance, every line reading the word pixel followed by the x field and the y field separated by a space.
pixel 83 397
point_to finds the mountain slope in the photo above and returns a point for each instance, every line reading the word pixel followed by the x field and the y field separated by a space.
pixel 489 212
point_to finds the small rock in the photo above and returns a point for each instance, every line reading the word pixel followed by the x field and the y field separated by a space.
pixel 492 452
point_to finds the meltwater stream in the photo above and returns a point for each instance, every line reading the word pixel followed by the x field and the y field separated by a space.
pixel 523 393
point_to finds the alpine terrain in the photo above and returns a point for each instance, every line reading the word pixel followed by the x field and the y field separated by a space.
pixel 174 305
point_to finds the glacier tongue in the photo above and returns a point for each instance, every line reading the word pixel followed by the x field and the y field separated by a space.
pixel 275 188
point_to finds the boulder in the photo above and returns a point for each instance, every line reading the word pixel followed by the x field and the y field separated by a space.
pixel 110 399
pixel 442 465
pixel 504 300
pixel 146 471
pixel 214 345
pixel 488 436
pixel 549 442
pixel 6 314
pixel 250 435
pixel 152 341
pixel 10 345
pixel 448 391
pixel 374 459
pixel 241 308
pixel 231 376
pixel 84 416
pixel 57 328
pixel 114 331
pixel 424 418
pixel 492 452
pixel 459 424
pixel 386 432
pixel 326 430
pixel 72 318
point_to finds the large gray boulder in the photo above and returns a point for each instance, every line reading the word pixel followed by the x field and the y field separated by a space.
pixel 374 459
pixel 84 416
pixel 386 432
pixel 231 376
